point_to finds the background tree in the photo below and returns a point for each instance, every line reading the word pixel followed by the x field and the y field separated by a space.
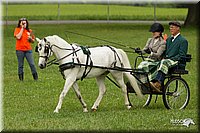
pixel 193 15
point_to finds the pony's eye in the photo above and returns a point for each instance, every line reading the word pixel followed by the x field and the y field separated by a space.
pixel 40 46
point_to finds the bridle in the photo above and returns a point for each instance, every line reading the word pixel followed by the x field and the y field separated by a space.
pixel 47 51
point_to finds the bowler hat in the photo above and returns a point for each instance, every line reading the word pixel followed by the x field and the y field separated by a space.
pixel 175 23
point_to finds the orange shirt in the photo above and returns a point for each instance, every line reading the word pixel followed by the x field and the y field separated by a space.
pixel 22 43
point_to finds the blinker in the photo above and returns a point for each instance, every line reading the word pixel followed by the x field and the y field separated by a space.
pixel 36 49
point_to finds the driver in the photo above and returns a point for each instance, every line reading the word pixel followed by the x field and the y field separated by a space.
pixel 155 47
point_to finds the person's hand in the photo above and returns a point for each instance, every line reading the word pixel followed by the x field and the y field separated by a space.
pixel 165 37
pixel 30 39
pixel 148 51
pixel 137 50
pixel 23 24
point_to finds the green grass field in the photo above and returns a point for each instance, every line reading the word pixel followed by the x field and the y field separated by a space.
pixel 90 12
pixel 29 105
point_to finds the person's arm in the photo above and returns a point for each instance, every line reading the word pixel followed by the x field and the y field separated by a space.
pixel 146 47
pixel 19 35
pixel 182 51
pixel 31 38
pixel 160 51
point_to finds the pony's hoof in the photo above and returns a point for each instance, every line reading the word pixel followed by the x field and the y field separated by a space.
pixel 128 107
pixel 85 110
pixel 56 111
pixel 94 110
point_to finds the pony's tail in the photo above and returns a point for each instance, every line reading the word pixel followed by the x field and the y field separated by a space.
pixel 132 79
pixel 134 84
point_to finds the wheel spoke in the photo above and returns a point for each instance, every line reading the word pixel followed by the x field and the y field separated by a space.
pixel 176 94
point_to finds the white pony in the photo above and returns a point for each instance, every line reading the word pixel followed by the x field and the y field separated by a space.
pixel 106 57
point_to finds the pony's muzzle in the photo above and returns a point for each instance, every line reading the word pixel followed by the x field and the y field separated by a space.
pixel 42 66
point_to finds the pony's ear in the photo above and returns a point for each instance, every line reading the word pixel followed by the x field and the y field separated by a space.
pixel 45 40
pixel 37 39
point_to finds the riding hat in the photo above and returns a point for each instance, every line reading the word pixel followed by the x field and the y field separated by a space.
pixel 156 27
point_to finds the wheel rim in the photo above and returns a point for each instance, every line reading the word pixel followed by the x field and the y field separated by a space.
pixel 140 103
pixel 177 94
pixel 148 100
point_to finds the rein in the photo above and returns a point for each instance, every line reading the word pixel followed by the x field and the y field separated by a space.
pixel 118 44
pixel 48 50
pixel 55 61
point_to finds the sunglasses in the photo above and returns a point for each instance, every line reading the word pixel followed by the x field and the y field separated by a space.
pixel 23 19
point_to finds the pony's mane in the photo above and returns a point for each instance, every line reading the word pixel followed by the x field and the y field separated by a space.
pixel 57 40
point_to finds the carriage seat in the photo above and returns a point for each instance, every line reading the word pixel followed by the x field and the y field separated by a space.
pixel 180 68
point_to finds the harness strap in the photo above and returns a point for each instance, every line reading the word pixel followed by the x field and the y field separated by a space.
pixel 87 52
pixel 56 61
pixel 89 62
pixel 66 66
pixel 74 55
pixel 85 73
pixel 72 64
pixel 115 55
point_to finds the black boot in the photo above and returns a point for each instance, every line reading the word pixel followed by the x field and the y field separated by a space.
pixel 35 76
pixel 21 77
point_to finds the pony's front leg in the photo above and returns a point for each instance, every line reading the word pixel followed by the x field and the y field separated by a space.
pixel 78 94
pixel 68 83
pixel 102 89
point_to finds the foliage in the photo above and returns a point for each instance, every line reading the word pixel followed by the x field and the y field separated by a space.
pixel 29 105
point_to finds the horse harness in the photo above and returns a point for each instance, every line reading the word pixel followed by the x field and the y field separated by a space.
pixel 72 64
pixel 89 62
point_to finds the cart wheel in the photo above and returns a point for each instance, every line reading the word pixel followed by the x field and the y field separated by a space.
pixel 138 102
pixel 176 93
pixel 148 99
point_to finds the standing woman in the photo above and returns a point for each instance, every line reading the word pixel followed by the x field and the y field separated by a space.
pixel 24 37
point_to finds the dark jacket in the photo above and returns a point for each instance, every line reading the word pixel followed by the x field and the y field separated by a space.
pixel 176 49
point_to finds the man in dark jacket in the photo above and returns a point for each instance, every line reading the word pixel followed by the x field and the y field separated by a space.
pixel 176 47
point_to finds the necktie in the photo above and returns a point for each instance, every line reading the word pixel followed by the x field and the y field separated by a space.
pixel 172 38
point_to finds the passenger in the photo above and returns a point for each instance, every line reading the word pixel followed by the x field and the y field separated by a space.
pixel 176 47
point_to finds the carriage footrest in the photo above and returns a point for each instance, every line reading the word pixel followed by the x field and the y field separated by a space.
pixel 179 71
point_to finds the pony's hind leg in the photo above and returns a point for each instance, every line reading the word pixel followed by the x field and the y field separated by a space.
pixel 78 94
pixel 118 76
pixel 68 83
pixel 102 89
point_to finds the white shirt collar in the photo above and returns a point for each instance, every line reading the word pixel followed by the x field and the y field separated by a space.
pixel 175 36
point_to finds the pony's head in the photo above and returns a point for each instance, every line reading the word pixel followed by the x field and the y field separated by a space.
pixel 44 50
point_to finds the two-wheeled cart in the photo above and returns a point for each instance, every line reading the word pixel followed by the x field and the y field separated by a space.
pixel 175 91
